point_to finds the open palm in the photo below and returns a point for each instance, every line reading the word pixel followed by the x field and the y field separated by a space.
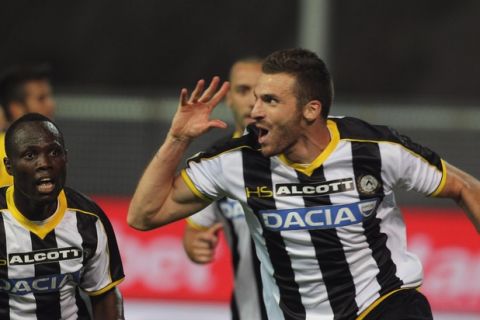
pixel 192 118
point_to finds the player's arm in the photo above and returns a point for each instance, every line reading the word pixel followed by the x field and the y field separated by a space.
pixel 465 190
pixel 200 244
pixel 161 196
pixel 107 306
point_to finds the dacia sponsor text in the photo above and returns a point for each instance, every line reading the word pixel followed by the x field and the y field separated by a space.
pixel 39 284
pixel 231 209
pixel 318 217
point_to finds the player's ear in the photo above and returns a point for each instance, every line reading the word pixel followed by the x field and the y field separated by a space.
pixel 312 110
pixel 8 165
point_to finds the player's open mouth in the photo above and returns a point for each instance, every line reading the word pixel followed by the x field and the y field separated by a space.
pixel 45 185
pixel 262 134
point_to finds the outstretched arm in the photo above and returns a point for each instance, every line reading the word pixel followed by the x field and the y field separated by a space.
pixel 162 196
pixel 465 190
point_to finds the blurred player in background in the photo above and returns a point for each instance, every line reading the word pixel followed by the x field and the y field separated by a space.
pixel 23 89
pixel 54 241
pixel 200 237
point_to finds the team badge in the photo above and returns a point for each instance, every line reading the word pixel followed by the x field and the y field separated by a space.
pixel 368 184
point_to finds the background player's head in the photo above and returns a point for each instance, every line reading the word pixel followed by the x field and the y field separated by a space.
pixel 243 78
pixel 313 80
pixel 25 89
pixel 36 157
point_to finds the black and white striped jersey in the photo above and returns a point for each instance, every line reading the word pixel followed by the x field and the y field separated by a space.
pixel 247 300
pixel 43 264
pixel 329 235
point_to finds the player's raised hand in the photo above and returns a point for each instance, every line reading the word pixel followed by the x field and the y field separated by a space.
pixel 192 118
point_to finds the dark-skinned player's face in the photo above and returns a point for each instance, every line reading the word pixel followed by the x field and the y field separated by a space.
pixel 38 161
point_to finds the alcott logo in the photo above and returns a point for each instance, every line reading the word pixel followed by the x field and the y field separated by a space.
pixel 320 217
pixel 312 190
pixel 44 256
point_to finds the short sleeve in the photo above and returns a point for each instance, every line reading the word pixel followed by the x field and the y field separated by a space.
pixel 103 270
pixel 205 178
pixel 411 170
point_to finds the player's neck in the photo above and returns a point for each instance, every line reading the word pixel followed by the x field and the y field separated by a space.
pixel 310 145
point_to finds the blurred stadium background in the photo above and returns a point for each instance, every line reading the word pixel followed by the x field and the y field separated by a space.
pixel 118 67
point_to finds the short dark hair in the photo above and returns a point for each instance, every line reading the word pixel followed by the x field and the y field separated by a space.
pixel 12 83
pixel 313 78
pixel 29 117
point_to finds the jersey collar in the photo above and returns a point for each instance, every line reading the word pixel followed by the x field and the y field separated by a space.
pixel 308 169
pixel 40 229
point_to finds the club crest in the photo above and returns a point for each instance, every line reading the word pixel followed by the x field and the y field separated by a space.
pixel 368 184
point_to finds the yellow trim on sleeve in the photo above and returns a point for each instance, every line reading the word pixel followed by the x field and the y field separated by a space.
pixel 192 224
pixel 105 289
pixel 376 303
pixel 192 186
pixel 40 229
pixel 308 169
pixel 442 182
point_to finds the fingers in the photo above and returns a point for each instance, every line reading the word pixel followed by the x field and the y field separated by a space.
pixel 214 229
pixel 183 96
pixel 220 93
pixel 210 90
pixel 199 95
pixel 197 92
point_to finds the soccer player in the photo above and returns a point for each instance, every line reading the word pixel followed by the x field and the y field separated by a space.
pixel 200 237
pixel 54 241
pixel 317 193
pixel 23 89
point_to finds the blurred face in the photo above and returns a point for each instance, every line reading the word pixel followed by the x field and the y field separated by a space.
pixel 39 98
pixel 38 162
pixel 276 114
pixel 243 79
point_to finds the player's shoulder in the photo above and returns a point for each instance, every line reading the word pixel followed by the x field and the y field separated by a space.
pixel 80 202
pixel 351 128
pixel 228 145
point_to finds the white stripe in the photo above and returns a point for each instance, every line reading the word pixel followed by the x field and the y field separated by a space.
pixel 18 240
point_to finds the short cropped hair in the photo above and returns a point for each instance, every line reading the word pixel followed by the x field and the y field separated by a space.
pixel 29 117
pixel 13 80
pixel 313 80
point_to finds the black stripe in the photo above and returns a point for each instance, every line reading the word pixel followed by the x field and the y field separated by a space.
pixel 234 307
pixel 258 281
pixel 257 173
pixel 331 258
pixel 367 161
pixel 83 313
pixel 88 232
pixel 48 304
pixel 4 300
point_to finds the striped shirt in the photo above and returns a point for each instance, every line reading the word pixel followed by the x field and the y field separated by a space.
pixel 247 301
pixel 329 235
pixel 43 264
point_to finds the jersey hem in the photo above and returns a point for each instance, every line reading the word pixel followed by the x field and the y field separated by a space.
pixel 377 302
